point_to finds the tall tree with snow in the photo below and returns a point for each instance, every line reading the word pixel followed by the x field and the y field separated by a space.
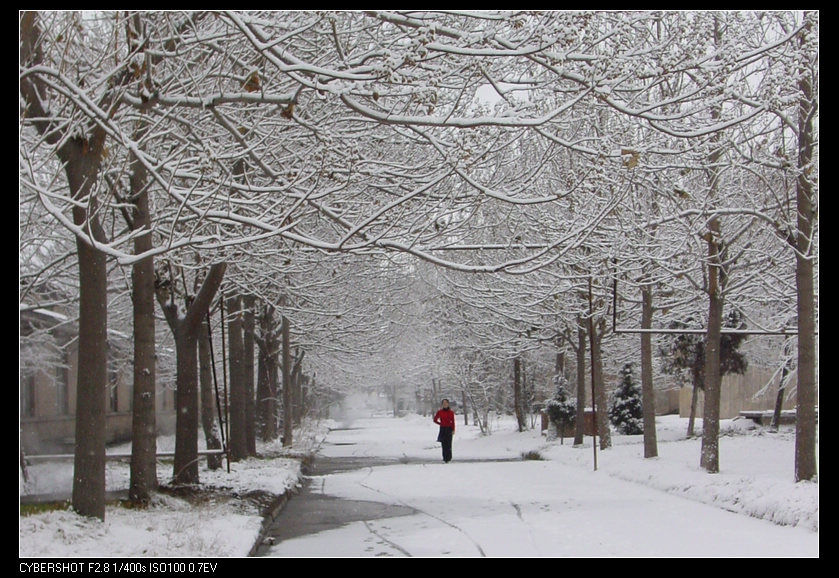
pixel 80 147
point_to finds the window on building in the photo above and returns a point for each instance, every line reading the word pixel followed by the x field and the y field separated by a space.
pixel 113 382
pixel 62 385
pixel 28 396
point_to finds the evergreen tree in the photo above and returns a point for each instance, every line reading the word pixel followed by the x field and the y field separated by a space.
pixel 687 351
pixel 625 411
pixel 685 354
pixel 561 409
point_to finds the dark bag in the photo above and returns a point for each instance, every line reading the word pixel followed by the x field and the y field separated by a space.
pixel 445 434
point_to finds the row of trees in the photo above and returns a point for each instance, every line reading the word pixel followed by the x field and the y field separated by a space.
pixel 315 160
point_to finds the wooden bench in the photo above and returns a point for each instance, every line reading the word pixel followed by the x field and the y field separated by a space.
pixel 765 417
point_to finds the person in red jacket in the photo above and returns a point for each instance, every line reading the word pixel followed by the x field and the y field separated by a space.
pixel 445 419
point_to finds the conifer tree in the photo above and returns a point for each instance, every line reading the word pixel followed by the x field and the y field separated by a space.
pixel 685 353
pixel 561 409
pixel 626 411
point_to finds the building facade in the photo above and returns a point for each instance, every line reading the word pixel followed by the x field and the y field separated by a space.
pixel 48 373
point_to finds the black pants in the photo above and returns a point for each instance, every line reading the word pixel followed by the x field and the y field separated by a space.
pixel 445 438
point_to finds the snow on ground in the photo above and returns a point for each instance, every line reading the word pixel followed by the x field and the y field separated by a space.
pixel 655 507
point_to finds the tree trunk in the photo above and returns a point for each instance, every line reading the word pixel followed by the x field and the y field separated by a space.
pixel 517 394
pixel 647 389
pixel 208 404
pixel 288 409
pixel 250 410
pixel 694 396
pixel 266 388
pixel 712 382
pixel 235 343
pixel 82 164
pixel 559 363
pixel 579 429
pixel 275 376
pixel 144 417
pixel 805 428
pixel 185 329
pixel 712 379
pixel 264 398
pixel 782 384
pixel 779 400
pixel 602 413
pixel 89 464
pixel 298 396
pixel 186 403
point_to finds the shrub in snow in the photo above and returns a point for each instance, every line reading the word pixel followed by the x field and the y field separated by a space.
pixel 532 455
pixel 625 411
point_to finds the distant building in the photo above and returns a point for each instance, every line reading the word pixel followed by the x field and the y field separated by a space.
pixel 755 390
pixel 47 378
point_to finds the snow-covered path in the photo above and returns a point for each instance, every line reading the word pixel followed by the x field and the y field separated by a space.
pixel 534 508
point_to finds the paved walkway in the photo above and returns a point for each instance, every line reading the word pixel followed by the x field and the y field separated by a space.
pixel 310 511
pixel 382 490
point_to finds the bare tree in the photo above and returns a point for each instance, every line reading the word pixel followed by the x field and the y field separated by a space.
pixel 80 149
pixel 807 211
pixel 267 374
pixel 236 356
pixel 209 408
pixel 186 324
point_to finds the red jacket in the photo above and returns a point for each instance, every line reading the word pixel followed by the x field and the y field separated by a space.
pixel 445 418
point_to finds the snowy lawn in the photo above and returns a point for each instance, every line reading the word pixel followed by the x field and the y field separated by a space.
pixel 548 500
